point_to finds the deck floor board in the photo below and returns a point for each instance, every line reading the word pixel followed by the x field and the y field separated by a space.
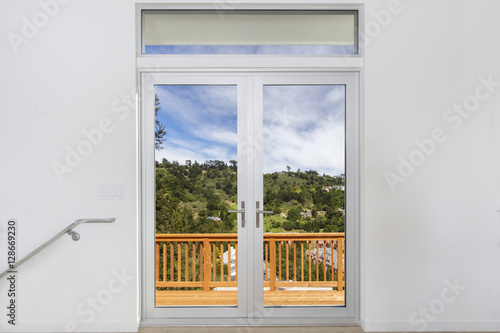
pixel 225 297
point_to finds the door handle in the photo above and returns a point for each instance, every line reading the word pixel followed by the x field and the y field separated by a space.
pixel 259 211
pixel 240 211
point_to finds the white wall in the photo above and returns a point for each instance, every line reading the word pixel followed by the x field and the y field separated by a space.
pixel 63 80
pixel 440 225
pixel 442 222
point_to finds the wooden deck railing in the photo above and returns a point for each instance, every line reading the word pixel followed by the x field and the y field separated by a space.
pixel 207 261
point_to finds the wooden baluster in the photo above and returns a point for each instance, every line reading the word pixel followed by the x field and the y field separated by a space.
pixel 294 261
pixel 266 261
pixel 340 266
pixel 287 264
pixel 324 267
pixel 186 261
pixel 206 264
pixel 171 262
pixel 279 256
pixel 302 260
pixel 272 262
pixel 310 259
pixel 317 261
pixel 157 262
pixel 179 262
pixel 228 262
pixel 222 261
pixel 202 263
pixel 164 261
pixel 236 266
pixel 214 254
pixel 333 262
pixel 324 260
pixel 193 266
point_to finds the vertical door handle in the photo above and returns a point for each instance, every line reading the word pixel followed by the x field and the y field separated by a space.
pixel 258 211
pixel 242 212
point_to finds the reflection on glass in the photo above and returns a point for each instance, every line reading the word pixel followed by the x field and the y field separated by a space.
pixel 196 172
pixel 304 184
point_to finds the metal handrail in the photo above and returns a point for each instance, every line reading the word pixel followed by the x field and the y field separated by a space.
pixel 68 230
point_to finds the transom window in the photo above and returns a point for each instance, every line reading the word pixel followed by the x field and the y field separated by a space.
pixel 281 32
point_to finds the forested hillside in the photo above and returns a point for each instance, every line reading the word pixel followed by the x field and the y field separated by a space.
pixel 195 198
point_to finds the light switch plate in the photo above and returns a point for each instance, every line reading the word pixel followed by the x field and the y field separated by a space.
pixel 110 192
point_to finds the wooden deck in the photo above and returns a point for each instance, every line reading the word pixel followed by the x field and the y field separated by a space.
pixel 298 269
pixel 278 297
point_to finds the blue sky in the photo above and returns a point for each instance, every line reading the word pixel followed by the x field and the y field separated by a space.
pixel 303 125
pixel 200 122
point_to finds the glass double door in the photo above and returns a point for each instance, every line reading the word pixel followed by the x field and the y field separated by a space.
pixel 247 206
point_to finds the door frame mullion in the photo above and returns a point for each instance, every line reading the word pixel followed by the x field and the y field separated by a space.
pixel 257 188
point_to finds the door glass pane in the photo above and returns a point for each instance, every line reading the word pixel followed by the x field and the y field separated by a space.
pixel 312 32
pixel 304 185
pixel 196 179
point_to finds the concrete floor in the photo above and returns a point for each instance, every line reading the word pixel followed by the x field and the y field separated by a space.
pixel 274 329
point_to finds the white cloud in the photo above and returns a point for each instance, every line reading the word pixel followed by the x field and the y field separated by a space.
pixel 183 149
pixel 220 135
pixel 218 153
pixel 303 126
pixel 205 112
pixel 321 149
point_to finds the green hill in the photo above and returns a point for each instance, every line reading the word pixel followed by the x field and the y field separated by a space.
pixel 195 198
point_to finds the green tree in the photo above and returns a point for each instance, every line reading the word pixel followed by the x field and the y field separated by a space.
pixel 233 164
pixel 293 214
pixel 160 131
pixel 213 203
